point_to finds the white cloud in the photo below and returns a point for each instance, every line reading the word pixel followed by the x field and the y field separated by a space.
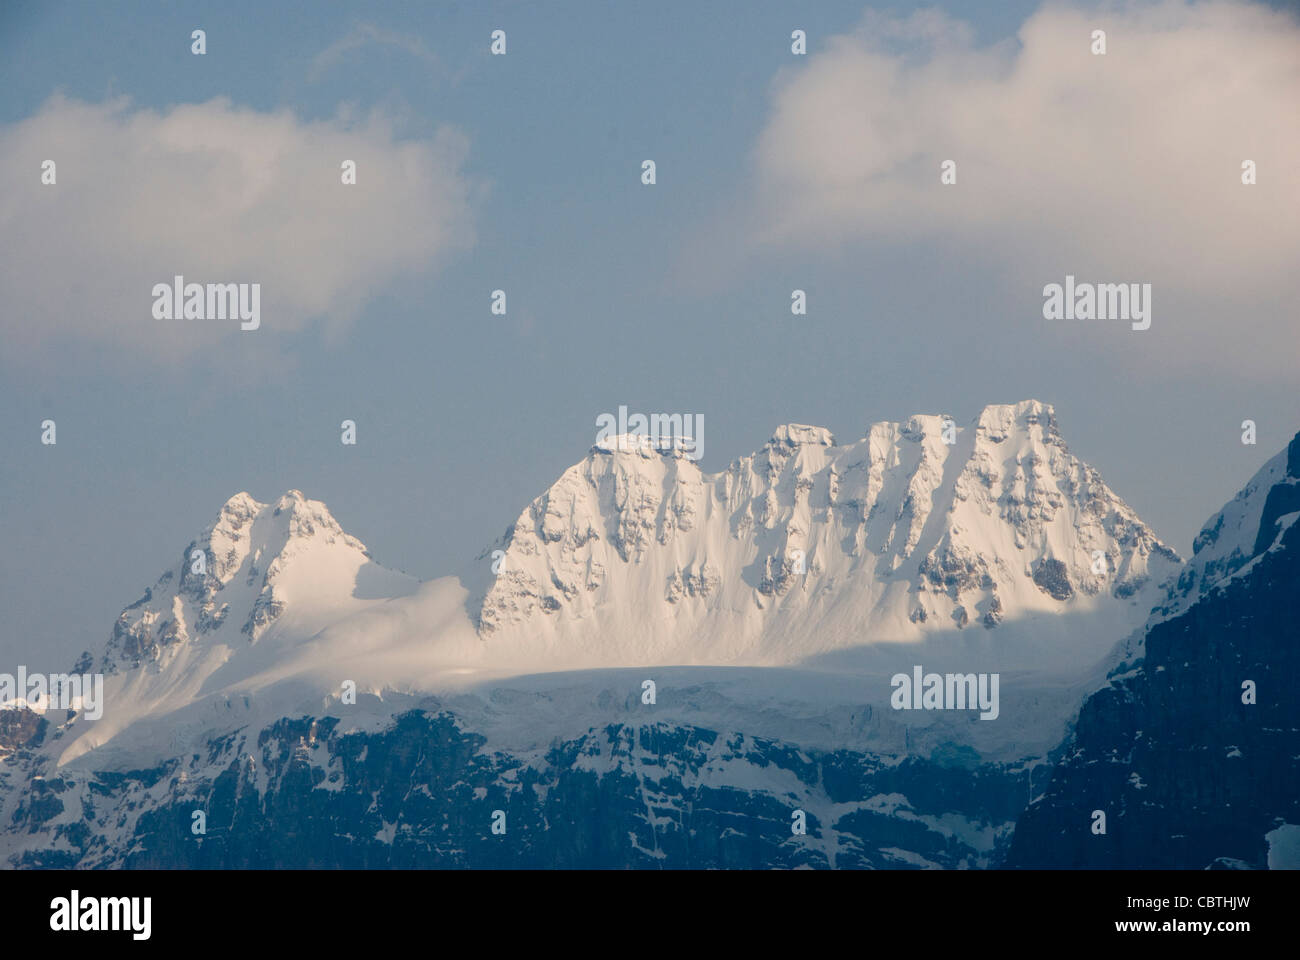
pixel 1123 167
pixel 219 194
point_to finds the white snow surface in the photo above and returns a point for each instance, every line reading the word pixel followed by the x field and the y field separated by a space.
pixel 634 565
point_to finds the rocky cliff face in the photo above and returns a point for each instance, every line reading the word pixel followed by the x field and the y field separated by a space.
pixel 1194 755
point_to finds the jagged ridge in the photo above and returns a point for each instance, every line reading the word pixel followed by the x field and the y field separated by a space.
pixel 901 532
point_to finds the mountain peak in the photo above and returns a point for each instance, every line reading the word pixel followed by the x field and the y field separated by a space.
pixel 309 518
pixel 235 579
pixel 241 504
pixel 910 530
pixel 645 445
pixel 999 420
pixel 798 434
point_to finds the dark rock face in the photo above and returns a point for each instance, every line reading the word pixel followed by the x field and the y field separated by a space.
pixel 1053 578
pixel 947 570
pixel 1189 775
pixel 20 728
pixel 1282 499
pixel 993 614
pixel 423 793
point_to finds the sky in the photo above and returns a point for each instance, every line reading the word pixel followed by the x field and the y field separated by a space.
pixel 523 172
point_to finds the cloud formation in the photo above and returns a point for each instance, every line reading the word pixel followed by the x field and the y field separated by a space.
pixel 1120 167
pixel 218 194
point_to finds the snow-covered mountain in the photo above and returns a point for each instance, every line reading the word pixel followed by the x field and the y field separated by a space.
pixel 287 563
pixel 1248 525
pixel 770 603
pixel 985 547
pixel 809 547
pixel 805 553
pixel 232 615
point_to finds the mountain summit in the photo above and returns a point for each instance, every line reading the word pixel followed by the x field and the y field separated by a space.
pixel 808 545
pixel 255 564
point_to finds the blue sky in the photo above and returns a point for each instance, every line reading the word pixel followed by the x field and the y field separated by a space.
pixel 658 297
